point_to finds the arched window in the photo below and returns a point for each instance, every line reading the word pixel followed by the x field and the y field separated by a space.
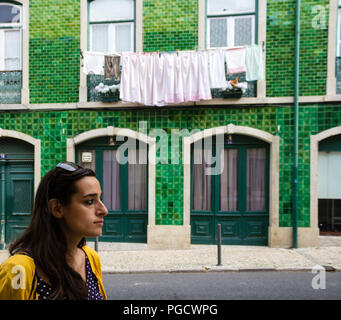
pixel 10 37
pixel 112 25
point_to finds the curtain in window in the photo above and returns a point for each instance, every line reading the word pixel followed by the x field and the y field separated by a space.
pixel 243 31
pixel 12 50
pixel 256 164
pixel 99 37
pixel 201 182
pixel 229 180
pixel 218 31
pixel 111 180
pixel 123 37
pixel 136 183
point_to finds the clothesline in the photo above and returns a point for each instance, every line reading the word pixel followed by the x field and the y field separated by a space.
pixel 164 52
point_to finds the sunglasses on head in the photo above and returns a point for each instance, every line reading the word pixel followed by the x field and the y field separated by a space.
pixel 68 166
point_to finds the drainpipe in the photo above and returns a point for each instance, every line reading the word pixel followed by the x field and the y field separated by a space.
pixel 296 113
pixel 2 208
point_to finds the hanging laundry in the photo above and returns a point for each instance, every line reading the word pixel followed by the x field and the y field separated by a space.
pixel 130 85
pixel 216 62
pixel 203 87
pixel 157 75
pixel 195 76
pixel 235 60
pixel 112 67
pixel 145 76
pixel 93 63
pixel 254 63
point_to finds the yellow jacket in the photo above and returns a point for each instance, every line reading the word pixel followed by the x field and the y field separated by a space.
pixel 17 276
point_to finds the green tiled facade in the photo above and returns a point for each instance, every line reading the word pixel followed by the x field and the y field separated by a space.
pixel 280 48
pixel 48 126
pixel 54 76
pixel 170 25
pixel 54 57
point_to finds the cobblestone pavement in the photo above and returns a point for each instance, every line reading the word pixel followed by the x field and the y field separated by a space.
pixel 131 258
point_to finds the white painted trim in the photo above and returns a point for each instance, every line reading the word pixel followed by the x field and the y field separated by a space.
pixel 331 77
pixel 314 146
pixel 214 102
pixel 37 151
pixel 112 131
pixel 233 129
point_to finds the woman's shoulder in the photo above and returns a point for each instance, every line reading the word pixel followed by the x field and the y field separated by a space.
pixel 18 259
pixel 17 274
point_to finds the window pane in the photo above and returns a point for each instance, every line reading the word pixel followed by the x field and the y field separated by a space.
pixel 201 182
pixel 99 37
pixel 229 180
pixel 255 179
pixel 109 10
pixel 12 50
pixel 9 14
pixel 218 33
pixel 137 184
pixel 123 38
pixel 111 180
pixel 230 6
pixel 243 31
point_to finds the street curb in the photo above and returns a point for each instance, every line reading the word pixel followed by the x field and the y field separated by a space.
pixel 206 270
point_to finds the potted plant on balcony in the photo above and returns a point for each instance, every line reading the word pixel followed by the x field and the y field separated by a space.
pixel 234 89
pixel 108 93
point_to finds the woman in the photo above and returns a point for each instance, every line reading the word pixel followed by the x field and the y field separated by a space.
pixel 50 260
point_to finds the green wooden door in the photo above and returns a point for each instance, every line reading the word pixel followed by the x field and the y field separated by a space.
pixel 17 197
pixel 16 187
pixel 124 190
pixel 237 198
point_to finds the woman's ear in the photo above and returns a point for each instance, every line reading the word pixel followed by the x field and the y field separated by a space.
pixel 56 208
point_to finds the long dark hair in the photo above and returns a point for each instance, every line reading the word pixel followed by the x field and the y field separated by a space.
pixel 44 239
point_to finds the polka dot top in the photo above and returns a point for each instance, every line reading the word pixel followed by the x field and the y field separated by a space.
pixel 44 289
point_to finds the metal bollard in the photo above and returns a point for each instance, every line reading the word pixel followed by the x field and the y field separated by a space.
pixel 96 244
pixel 219 244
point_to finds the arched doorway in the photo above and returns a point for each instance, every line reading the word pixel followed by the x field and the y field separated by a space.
pixel 16 187
pixel 237 197
pixel 124 181
pixel 329 191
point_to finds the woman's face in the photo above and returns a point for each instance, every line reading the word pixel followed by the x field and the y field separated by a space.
pixel 83 217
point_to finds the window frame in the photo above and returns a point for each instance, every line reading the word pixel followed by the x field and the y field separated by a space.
pixel 11 27
pixel 112 25
pixel 231 17
pixel 338 33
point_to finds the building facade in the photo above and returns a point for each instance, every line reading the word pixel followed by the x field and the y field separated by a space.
pixel 50 112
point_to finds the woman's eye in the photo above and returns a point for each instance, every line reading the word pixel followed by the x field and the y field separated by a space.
pixel 89 202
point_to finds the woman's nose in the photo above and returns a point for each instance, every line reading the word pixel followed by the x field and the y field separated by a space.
pixel 102 209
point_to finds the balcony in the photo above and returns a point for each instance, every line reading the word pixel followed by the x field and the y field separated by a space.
pixel 10 87
pixel 93 80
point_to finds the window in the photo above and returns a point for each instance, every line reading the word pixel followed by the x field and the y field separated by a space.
pixel 10 37
pixel 231 23
pixel 112 25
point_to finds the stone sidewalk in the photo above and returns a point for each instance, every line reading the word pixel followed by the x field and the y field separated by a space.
pixel 136 258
